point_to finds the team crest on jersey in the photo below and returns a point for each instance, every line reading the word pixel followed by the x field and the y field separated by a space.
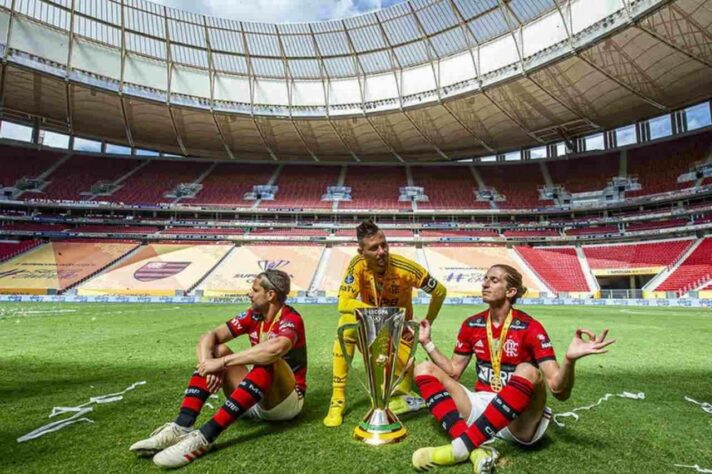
pixel 393 289
pixel 510 347
pixel 242 315
pixel 349 279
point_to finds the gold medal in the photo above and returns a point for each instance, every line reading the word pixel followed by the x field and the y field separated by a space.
pixel 262 334
pixel 495 348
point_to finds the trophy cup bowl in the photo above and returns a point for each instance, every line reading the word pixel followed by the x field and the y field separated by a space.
pixel 379 332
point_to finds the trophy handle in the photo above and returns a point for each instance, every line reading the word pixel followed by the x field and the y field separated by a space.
pixel 415 327
pixel 349 360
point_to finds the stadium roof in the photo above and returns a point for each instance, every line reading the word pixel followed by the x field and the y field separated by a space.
pixel 422 80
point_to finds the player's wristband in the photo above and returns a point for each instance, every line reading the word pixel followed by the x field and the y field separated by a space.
pixel 429 347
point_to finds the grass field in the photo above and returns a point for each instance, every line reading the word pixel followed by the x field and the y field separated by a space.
pixel 60 355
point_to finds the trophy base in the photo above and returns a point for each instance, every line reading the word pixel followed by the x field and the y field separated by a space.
pixel 380 427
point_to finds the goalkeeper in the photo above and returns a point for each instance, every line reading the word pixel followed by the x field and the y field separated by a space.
pixel 380 279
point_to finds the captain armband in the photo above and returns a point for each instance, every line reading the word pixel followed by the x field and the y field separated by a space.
pixel 429 285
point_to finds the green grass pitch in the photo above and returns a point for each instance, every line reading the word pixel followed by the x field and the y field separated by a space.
pixel 60 355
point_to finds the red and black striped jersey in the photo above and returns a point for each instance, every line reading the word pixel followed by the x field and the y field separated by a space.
pixel 289 325
pixel 526 341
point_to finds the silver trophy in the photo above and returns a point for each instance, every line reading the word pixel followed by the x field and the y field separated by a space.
pixel 379 335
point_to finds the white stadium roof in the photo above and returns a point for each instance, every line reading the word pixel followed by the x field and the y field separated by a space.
pixel 423 80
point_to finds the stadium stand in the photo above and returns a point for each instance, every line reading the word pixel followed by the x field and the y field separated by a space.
pixel 588 173
pixel 227 183
pixel 459 233
pixel 116 229
pixel 303 186
pixel 652 254
pixel 520 188
pixel 559 267
pixel 694 271
pixel 202 231
pixel 447 188
pixel 290 232
pixel 33 226
pixel 157 270
pixel 12 248
pixel 531 233
pixel 658 166
pixel 148 185
pixel 16 162
pixel 595 230
pixel 56 266
pixel 74 178
pixel 651 225
pixel 234 275
pixel 375 187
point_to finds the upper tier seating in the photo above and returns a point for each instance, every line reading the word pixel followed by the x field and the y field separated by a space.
pixel 695 270
pixel 604 229
pixel 303 186
pixel 459 233
pixel 650 225
pixel 590 173
pixel 290 232
pixel 116 229
pixel 17 162
pixel 531 233
pixel 375 187
pixel 635 255
pixel 447 188
pixel 199 231
pixel 150 183
pixel 559 267
pixel 79 173
pixel 658 166
pixel 33 226
pixel 520 187
pixel 227 183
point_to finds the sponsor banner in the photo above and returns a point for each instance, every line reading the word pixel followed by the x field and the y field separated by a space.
pixel 627 271
pixel 675 303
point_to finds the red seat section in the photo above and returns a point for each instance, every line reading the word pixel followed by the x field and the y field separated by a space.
pixel 199 231
pixel 289 232
pixel 651 254
pixel 303 186
pixel 531 233
pixel 9 248
pixel 591 173
pixel 604 229
pixel 521 187
pixel 459 233
pixel 375 187
pixel 650 225
pixel 447 188
pixel 33 226
pixel 116 229
pixel 17 162
pixel 658 166
pixel 559 267
pixel 79 173
pixel 149 184
pixel 694 271
pixel 228 182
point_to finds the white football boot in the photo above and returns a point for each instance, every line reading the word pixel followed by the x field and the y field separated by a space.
pixel 191 447
pixel 162 438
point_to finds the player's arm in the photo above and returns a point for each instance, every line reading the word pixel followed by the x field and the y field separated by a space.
pixel 349 291
pixel 205 350
pixel 437 292
pixel 454 366
pixel 560 379
pixel 264 353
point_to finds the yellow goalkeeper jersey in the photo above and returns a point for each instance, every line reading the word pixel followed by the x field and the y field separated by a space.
pixel 393 288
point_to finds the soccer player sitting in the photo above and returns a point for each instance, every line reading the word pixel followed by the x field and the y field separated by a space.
pixel 515 363
pixel 381 279
pixel 265 382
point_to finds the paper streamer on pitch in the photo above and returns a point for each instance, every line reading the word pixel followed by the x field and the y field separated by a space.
pixel 707 407
pixel 695 467
pixel 79 412
pixel 575 416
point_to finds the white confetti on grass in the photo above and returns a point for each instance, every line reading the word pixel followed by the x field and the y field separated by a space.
pixel 695 467
pixel 79 412
pixel 605 398
pixel 706 407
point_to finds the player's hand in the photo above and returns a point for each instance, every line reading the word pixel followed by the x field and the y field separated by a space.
pixel 581 347
pixel 214 381
pixel 424 334
pixel 407 335
pixel 210 366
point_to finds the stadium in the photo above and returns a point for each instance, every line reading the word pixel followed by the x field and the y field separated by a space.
pixel 153 161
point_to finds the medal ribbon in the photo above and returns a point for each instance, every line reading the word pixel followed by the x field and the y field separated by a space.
pixel 276 319
pixel 496 353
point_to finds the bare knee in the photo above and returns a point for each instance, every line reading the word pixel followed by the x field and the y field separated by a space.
pixel 529 372
pixel 425 368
